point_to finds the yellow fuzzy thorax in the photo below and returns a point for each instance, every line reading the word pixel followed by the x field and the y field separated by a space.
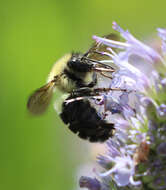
pixel 59 66
pixel 63 82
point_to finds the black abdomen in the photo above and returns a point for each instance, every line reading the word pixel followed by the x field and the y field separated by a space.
pixel 83 120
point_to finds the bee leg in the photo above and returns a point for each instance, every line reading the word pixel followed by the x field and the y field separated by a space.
pixel 98 90
pixel 110 77
pixel 94 62
pixel 78 98
pixel 84 91
pixel 100 69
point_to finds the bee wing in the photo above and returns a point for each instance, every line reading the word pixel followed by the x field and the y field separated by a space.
pixel 100 48
pixel 40 99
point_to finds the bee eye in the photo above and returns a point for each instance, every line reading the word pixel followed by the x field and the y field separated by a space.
pixel 80 66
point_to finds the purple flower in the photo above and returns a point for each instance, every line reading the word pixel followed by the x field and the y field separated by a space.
pixel 132 45
pixel 123 168
pixel 136 153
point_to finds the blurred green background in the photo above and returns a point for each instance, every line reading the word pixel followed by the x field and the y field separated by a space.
pixel 40 153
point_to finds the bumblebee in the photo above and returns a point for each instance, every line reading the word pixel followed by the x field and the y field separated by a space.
pixel 77 75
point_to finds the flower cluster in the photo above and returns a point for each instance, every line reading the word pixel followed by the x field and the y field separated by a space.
pixel 136 154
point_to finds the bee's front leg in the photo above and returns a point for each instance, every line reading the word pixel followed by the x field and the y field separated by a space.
pixel 84 91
